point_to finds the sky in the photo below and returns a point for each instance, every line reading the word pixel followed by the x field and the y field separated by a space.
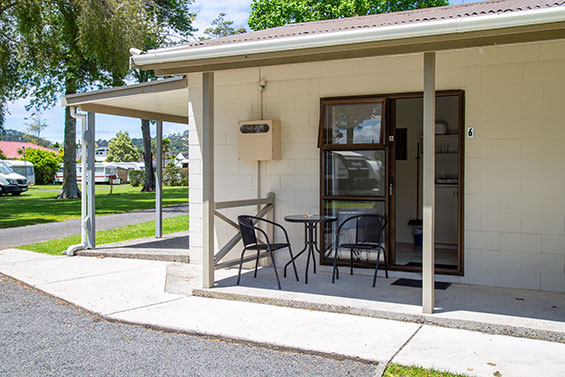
pixel 107 125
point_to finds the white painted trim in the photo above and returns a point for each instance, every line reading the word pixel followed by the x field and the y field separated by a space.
pixel 428 184
pixel 460 25
pixel 208 179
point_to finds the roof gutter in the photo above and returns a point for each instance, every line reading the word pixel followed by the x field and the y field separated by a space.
pixel 350 37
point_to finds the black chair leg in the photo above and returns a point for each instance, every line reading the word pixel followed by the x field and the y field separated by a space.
pixel 335 270
pixel 386 264
pixel 240 265
pixel 275 268
pixel 377 267
pixel 293 264
pixel 256 264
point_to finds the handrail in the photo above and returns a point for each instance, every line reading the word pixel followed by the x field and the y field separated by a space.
pixel 270 199
pixel 270 205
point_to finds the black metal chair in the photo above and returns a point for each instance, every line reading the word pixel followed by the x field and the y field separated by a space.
pixel 250 242
pixel 369 229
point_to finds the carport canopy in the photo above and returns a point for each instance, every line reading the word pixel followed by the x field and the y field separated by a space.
pixel 163 100
pixel 160 100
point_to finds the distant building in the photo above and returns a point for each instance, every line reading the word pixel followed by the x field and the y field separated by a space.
pixel 11 148
pixel 181 160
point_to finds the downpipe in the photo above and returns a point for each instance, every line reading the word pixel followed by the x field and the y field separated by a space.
pixel 85 220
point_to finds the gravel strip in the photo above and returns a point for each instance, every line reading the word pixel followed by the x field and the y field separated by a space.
pixel 41 336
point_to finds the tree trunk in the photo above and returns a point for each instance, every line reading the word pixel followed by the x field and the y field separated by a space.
pixel 147 157
pixel 70 188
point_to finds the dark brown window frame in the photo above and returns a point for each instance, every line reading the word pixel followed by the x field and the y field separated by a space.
pixel 387 129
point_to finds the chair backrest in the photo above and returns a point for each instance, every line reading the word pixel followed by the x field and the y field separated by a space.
pixel 369 228
pixel 247 230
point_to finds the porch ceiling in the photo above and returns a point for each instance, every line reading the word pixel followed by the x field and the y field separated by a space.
pixel 164 100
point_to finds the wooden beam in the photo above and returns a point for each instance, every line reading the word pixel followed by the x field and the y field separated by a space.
pixel 159 180
pixel 428 192
pixel 208 178
pixel 133 113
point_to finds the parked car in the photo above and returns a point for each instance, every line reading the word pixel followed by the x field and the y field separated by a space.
pixel 24 168
pixel 10 182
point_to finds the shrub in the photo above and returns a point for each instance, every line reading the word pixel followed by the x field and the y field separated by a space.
pixel 137 177
pixel 45 164
pixel 175 177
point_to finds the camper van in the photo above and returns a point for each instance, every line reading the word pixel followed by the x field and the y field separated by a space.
pixel 10 182
pixel 103 172
pixel 24 168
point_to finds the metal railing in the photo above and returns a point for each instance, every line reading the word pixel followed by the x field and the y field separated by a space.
pixel 269 205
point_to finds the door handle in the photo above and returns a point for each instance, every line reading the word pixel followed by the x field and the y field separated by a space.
pixel 390 186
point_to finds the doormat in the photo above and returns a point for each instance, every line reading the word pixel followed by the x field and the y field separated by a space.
pixel 418 284
pixel 438 265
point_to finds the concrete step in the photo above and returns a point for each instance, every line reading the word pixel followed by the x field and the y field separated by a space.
pixel 159 255
pixel 172 247
pixel 491 310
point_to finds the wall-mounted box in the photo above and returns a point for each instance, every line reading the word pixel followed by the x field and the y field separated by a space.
pixel 259 140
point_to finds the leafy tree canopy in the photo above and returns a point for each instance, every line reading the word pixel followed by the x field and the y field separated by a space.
pixel 2 155
pixel 221 28
pixel 266 14
pixel 122 149
pixel 36 125
pixel 45 164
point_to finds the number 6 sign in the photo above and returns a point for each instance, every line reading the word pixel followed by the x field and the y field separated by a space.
pixel 470 132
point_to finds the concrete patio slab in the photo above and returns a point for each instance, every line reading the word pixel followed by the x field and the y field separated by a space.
pixel 477 354
pixel 504 311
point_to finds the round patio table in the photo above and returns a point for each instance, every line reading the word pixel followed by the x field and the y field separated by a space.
pixel 310 237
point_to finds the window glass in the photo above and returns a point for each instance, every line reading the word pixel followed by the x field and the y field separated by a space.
pixel 355 173
pixel 353 123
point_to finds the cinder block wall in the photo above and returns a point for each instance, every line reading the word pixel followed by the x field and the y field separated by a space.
pixel 515 165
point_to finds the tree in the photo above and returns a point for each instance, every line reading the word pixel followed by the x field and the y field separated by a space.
pixel 45 164
pixel 221 28
pixel 122 149
pixel 72 45
pixel 2 155
pixel 12 82
pixel 266 14
pixel 36 125
pixel 171 22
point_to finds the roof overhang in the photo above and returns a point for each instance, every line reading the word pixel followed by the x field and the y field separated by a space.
pixel 515 27
pixel 165 100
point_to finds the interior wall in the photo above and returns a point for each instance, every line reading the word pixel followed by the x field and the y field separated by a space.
pixel 409 115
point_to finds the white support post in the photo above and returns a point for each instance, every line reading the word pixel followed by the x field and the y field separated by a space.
pixel 428 192
pixel 159 181
pixel 91 168
pixel 208 178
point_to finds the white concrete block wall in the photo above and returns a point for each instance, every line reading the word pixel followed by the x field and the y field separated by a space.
pixel 514 167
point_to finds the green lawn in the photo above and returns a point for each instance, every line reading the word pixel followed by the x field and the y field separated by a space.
pixel 395 370
pixel 58 187
pixel 41 207
pixel 128 232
